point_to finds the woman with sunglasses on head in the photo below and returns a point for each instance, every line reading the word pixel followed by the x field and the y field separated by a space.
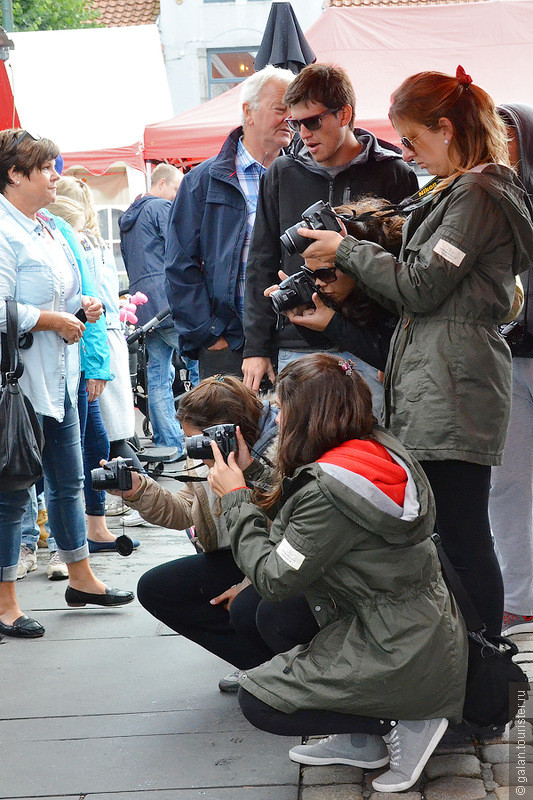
pixel 38 269
pixel 448 376
pixel 346 528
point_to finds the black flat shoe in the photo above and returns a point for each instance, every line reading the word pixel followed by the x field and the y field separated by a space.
pixel 24 628
pixel 112 597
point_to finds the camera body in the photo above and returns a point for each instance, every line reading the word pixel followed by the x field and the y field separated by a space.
pixel 224 435
pixel 297 290
pixel 113 475
pixel 318 217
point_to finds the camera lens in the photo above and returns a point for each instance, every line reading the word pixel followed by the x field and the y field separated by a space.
pixel 292 241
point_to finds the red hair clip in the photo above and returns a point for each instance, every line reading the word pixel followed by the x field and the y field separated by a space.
pixel 462 77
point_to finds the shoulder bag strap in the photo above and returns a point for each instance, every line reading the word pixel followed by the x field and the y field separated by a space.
pixel 471 617
pixel 11 366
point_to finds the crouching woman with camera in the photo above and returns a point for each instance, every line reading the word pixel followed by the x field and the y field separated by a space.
pixel 194 595
pixel 352 518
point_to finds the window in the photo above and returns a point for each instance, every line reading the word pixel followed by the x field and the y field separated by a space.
pixel 108 220
pixel 226 67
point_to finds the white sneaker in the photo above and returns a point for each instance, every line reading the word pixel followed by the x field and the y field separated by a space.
pixel 115 507
pixel 56 569
pixel 133 519
pixel 27 561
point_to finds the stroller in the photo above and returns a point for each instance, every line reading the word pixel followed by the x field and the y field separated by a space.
pixel 153 457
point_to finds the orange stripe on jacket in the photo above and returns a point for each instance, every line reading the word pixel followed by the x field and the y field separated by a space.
pixel 370 459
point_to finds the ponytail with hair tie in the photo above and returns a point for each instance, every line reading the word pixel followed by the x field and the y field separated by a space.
pixel 462 77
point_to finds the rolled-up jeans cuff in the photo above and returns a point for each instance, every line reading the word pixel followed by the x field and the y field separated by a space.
pixel 72 556
pixel 8 574
pixel 95 512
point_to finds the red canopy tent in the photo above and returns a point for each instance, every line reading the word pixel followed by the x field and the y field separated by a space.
pixel 97 162
pixel 8 113
pixel 379 47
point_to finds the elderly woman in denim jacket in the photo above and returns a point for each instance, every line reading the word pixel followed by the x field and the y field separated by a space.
pixel 38 269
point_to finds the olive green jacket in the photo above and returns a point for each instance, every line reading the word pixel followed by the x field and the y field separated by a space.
pixel 448 375
pixel 392 643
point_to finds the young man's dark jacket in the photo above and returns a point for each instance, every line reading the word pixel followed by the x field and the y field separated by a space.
pixel 290 185
pixel 143 228
pixel 206 234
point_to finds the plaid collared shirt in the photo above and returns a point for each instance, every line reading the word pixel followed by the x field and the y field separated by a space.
pixel 249 173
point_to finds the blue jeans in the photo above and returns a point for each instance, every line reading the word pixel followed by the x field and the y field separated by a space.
pixel 160 345
pixel 370 374
pixel 63 469
pixel 94 445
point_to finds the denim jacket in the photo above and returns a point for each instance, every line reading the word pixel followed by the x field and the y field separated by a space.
pixel 51 367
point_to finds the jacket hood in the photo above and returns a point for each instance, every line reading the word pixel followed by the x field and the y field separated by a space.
pixel 520 117
pixel 372 148
pixel 268 429
pixel 362 499
pixel 503 185
pixel 130 216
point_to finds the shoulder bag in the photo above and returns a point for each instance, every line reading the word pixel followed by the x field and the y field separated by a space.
pixel 21 437
pixel 489 699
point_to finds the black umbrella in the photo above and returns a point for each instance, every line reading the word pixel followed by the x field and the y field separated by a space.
pixel 283 44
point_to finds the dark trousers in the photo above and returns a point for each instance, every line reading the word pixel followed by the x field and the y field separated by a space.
pixel 308 722
pixel 220 362
pixel 461 492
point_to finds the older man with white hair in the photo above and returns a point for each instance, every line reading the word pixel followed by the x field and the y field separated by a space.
pixel 210 228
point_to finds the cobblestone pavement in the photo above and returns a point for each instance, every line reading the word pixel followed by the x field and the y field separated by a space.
pixel 461 768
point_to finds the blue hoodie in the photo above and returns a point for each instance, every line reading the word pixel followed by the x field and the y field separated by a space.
pixel 143 231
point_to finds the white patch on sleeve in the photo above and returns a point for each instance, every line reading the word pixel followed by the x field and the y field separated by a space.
pixel 289 554
pixel 449 252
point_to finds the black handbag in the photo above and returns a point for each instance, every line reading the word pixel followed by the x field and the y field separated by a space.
pixel 490 700
pixel 21 437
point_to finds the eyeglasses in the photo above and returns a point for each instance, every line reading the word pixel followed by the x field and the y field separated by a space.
pixel 409 143
pixel 322 274
pixel 311 123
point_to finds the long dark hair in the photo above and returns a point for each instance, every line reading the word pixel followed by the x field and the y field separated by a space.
pixel 324 402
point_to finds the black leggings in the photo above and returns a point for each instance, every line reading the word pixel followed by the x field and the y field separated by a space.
pixel 461 492
pixel 308 722
pixel 178 594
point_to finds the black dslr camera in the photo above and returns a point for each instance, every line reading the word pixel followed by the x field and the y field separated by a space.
pixel 318 217
pixel 113 475
pixel 224 435
pixel 297 290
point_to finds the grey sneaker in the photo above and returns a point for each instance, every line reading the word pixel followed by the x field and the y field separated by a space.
pixel 411 743
pixel 56 569
pixel 357 749
pixel 27 561
pixel 230 684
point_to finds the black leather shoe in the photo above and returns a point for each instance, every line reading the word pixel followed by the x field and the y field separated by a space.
pixel 112 597
pixel 24 628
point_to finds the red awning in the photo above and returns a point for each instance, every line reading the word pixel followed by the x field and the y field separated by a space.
pixel 8 113
pixel 97 162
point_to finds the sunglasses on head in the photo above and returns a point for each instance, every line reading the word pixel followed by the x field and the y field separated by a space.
pixel 322 274
pixel 21 135
pixel 311 123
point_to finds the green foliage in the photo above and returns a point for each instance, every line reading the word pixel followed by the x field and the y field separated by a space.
pixel 54 15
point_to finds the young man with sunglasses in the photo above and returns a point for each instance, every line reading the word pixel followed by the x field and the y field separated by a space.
pixel 334 162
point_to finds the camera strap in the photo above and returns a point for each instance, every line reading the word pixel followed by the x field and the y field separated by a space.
pixel 405 207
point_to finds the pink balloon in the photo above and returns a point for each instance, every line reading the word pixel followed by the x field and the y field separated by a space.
pixel 131 307
pixel 139 298
pixel 131 318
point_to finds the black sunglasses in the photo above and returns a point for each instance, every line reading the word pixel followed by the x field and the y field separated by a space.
pixel 322 274
pixel 21 135
pixel 311 123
